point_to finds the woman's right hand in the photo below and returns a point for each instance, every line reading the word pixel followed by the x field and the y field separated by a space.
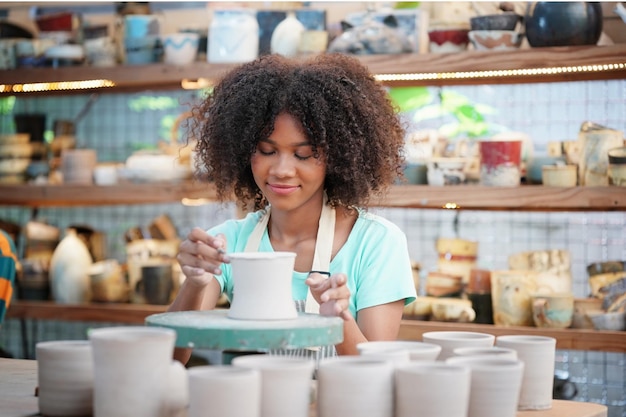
pixel 200 256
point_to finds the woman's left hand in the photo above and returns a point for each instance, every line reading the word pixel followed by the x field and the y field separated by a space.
pixel 331 293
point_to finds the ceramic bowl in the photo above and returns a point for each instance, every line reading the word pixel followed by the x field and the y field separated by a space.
pixel 503 40
pixel 453 309
pixel 501 21
pixel 608 321
pixel 617 155
pixel 14 139
pixel 13 166
pixel 421 308
pixel 559 175
pixel 617 166
pixel 596 268
pixel 448 40
pixel 17 150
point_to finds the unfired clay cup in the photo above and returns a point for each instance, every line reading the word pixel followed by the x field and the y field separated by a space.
pixel 65 378
pixel 538 355
pixel 224 391
pixel 285 383
pixel 355 386
pixel 432 389
pixel 413 350
pixel 450 340
pixel 495 384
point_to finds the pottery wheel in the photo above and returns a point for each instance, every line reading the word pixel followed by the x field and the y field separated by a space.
pixel 214 330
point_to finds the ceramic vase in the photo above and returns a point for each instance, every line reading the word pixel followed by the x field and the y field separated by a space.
pixel 233 36
pixel 285 383
pixel 65 378
pixel 69 270
pixel 432 390
pixel 287 35
pixel 262 286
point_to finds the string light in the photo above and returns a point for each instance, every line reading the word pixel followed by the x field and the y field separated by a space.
pixel 56 86
pixel 522 72
pixel 455 75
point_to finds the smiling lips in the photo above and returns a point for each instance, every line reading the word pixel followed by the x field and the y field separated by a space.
pixel 282 189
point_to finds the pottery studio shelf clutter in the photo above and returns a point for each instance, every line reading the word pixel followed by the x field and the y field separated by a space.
pixel 546 64
pixel 126 313
pixel 470 197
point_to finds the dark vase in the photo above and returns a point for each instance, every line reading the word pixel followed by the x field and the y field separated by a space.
pixel 563 23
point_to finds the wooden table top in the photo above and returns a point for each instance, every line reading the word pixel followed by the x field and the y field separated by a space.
pixel 19 380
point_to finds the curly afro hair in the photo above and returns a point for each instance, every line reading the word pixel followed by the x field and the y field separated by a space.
pixel 345 114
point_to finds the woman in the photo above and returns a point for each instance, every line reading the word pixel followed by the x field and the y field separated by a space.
pixel 307 144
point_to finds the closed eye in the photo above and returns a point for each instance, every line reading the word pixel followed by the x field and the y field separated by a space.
pixel 272 152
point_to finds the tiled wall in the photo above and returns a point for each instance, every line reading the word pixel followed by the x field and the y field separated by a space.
pixel 119 123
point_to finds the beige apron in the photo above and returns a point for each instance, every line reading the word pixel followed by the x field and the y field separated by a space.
pixel 321 263
pixel 323 245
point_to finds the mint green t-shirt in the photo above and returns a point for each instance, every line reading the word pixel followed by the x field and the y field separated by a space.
pixel 375 259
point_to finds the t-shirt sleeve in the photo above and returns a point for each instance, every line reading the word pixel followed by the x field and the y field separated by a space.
pixel 386 273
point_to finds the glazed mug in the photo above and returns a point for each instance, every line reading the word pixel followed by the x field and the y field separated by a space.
pixel 553 310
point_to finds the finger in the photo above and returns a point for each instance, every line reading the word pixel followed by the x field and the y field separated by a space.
pixel 217 242
pixel 317 281
pixel 188 260
pixel 191 271
pixel 336 293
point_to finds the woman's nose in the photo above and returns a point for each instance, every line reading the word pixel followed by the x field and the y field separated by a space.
pixel 284 166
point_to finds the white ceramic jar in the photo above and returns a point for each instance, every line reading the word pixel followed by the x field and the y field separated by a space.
pixel 233 36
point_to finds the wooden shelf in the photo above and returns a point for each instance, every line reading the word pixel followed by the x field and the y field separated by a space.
pixel 163 76
pixel 575 339
pixel 93 195
pixel 469 197
pixel 97 312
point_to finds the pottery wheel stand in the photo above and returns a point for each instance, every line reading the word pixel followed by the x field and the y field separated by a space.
pixel 214 330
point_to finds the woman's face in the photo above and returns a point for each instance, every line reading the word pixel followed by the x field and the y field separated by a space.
pixel 285 169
